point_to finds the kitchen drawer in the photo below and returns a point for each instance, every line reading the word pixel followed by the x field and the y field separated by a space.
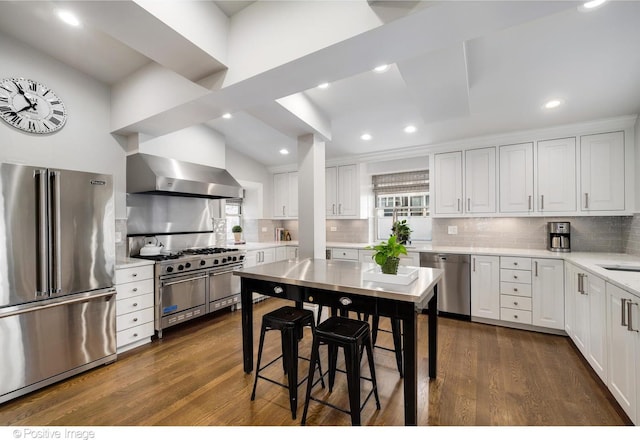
pixel 134 274
pixel 515 302
pixel 133 319
pixel 344 254
pixel 135 288
pixel 512 315
pixel 515 276
pixel 134 334
pixel 133 304
pixel 520 263
pixel 518 289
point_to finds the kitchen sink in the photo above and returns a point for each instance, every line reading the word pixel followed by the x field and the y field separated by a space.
pixel 620 267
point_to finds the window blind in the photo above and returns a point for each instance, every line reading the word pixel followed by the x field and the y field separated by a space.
pixel 407 182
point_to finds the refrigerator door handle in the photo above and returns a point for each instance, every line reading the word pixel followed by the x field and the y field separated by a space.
pixel 42 279
pixel 56 285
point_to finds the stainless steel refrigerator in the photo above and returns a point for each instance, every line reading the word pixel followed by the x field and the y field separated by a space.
pixel 57 262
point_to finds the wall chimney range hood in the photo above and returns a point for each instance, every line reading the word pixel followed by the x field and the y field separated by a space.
pixel 151 174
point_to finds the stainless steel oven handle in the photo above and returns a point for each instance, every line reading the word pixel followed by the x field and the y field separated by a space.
pixel 184 280
pixel 229 270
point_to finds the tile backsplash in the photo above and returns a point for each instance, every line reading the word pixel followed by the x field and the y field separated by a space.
pixel 596 234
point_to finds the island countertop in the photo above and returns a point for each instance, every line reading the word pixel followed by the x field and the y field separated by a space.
pixel 343 276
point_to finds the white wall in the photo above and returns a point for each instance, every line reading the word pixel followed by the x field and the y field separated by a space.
pixel 200 144
pixel 637 165
pixel 257 182
pixel 85 142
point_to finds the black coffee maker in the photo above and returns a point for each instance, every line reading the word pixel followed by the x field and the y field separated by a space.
pixel 559 236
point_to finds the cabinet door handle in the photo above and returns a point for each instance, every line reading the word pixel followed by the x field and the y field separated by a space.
pixel 580 283
pixel 623 316
pixel 542 202
pixel 282 209
pixel 586 200
pixel 535 265
pixel 458 205
pixel 468 204
pixel 629 322
pixel 339 208
pixel 333 209
pixel 529 203
pixel 474 264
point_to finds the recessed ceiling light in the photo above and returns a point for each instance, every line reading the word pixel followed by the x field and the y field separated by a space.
pixel 323 85
pixel 227 116
pixel 552 104
pixel 68 17
pixel 381 68
pixel 593 4
pixel 410 129
pixel 284 151
pixel 365 137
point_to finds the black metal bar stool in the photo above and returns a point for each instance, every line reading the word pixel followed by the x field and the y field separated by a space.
pixel 396 331
pixel 291 322
pixel 352 335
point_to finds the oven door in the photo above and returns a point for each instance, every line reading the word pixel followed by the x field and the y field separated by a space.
pixel 224 289
pixel 182 292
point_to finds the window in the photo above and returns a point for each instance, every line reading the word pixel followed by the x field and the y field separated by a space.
pixel 233 214
pixel 402 196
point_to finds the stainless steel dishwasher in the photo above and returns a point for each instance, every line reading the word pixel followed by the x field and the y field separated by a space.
pixel 454 291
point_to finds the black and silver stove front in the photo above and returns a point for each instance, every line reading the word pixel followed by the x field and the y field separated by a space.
pixel 194 282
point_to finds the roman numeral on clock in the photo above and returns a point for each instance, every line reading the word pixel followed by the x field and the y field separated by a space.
pixel 33 87
pixel 53 120
pixel 4 99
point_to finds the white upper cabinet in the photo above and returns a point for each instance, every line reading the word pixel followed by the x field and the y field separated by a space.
pixel 516 178
pixel 480 180
pixel 602 178
pixel 556 172
pixel 342 191
pixel 285 194
pixel 448 183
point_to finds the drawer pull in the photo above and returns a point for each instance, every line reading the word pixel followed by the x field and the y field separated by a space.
pixel 135 319
pixel 515 277
pixel 515 303
pixel 515 263
pixel 345 301
pixel 135 335
pixel 515 316
pixel 135 289
pixel 135 304
pixel 278 289
pixel 515 289
pixel 134 274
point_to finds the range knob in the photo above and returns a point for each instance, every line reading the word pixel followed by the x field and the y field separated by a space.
pixel 215 261
pixel 234 259
pixel 170 269
pixel 241 257
pixel 187 265
pixel 224 260
pixel 180 267
pixel 202 262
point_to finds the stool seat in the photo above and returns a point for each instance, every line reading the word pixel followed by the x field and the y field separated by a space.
pixel 290 321
pixel 352 336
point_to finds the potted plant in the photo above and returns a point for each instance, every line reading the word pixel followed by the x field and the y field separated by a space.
pixel 387 254
pixel 237 233
pixel 401 230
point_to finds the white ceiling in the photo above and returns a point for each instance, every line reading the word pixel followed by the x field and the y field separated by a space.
pixel 471 75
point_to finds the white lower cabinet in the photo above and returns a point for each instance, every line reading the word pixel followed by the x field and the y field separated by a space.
pixel 134 306
pixel 547 289
pixel 624 349
pixel 485 286
pixel 292 252
pixel 586 315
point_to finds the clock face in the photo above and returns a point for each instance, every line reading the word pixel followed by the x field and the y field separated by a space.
pixel 31 106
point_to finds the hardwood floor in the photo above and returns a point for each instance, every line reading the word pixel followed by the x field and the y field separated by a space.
pixel 487 376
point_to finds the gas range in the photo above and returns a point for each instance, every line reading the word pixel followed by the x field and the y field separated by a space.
pixel 188 260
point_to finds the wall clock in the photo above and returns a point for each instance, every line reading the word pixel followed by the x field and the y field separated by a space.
pixel 31 106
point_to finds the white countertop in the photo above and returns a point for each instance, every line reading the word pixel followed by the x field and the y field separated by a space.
pixel 132 262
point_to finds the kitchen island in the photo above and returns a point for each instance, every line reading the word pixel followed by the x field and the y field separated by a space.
pixel 340 285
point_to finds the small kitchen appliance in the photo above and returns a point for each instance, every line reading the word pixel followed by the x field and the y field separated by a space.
pixel 559 236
